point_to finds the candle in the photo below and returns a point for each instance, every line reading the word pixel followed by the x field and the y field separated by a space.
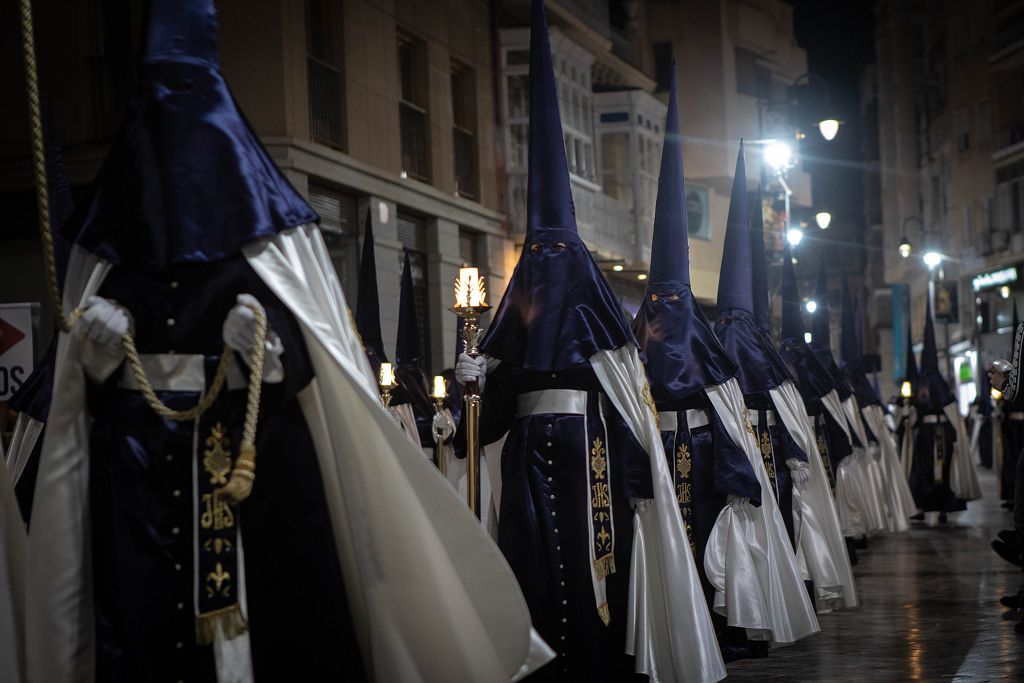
pixel 439 387
pixel 905 389
pixel 387 375
pixel 996 394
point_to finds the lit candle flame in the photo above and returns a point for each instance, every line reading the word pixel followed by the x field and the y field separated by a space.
pixel 440 391
pixel 996 394
pixel 905 389
pixel 469 289
pixel 387 375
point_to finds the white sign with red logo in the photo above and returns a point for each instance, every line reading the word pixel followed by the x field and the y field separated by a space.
pixel 15 347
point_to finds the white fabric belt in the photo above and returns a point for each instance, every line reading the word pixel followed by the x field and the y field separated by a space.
pixel 933 419
pixel 755 418
pixel 552 401
pixel 695 417
pixel 177 372
pixel 1017 416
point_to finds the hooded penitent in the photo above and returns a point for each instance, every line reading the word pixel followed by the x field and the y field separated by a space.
pixel 811 377
pixel 141 571
pixel 937 470
pixel 1013 430
pixel 776 412
pixel 409 361
pixel 566 386
pixel 367 316
pixel 821 342
pixel 688 370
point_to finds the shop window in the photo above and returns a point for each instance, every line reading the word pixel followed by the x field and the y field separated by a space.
pixel 325 84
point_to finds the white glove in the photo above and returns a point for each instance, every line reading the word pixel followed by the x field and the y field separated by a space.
pixel 799 471
pixel 469 369
pixel 736 501
pixel 104 324
pixel 239 334
pixel 443 426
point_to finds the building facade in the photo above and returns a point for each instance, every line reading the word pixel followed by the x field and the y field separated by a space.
pixel 418 120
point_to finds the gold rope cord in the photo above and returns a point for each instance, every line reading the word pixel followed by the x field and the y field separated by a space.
pixel 240 484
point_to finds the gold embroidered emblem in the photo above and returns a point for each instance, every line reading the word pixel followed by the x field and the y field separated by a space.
pixel 746 423
pixel 598 462
pixel 217 545
pixel 649 400
pixel 600 495
pixel 686 493
pixel 683 462
pixel 221 582
pixel 217 456
pixel 769 462
pixel 218 514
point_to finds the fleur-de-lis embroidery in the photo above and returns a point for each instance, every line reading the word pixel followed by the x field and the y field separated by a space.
pixel 683 462
pixel 221 580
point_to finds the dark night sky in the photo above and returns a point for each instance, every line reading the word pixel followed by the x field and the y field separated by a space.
pixel 838 38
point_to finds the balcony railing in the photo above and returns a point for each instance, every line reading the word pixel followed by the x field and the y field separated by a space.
pixel 415 141
pixel 324 102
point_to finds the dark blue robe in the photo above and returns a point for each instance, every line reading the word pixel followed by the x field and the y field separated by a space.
pixel 543 525
pixel 142 507
pixel 1013 443
pixel 931 441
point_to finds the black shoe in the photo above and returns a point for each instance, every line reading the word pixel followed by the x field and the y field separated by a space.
pixel 919 517
pixel 1009 536
pixel 1009 553
pixel 943 518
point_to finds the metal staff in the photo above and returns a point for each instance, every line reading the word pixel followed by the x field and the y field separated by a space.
pixel 470 304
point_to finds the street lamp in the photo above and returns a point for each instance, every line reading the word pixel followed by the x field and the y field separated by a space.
pixel 932 259
pixel 778 155
pixel 823 219
pixel 828 128
pixel 904 245
pixel 811 305
pixel 794 235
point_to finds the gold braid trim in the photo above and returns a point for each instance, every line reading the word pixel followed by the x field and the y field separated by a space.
pixel 604 566
pixel 230 618
pixel 604 613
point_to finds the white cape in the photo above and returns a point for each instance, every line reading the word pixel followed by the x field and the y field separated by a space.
pixel 26 433
pixel 12 583
pixel 788 614
pixel 669 628
pixel 865 458
pixel 900 499
pixel 820 535
pixel 415 560
pixel 963 479
pixel 859 511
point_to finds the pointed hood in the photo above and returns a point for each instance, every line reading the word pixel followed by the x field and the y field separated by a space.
pixel 186 179
pixel 812 379
pixel 368 303
pixel 558 309
pixel 409 361
pixel 759 268
pixel 760 367
pixel 681 352
pixel 821 333
pixel 932 392
pixel 911 374
pixel 851 351
pixel 735 281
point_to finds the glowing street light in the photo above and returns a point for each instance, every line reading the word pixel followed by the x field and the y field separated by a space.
pixel 778 155
pixel 828 128
pixel 618 267
pixel 811 305
pixel 904 247
pixel 823 219
pixel 932 259
pixel 794 235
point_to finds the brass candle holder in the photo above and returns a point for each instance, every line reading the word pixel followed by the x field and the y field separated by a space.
pixel 442 425
pixel 387 383
pixel 470 305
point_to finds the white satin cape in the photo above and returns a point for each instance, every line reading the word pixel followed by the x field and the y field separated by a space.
pixel 865 458
pixel 859 514
pixel 12 583
pixel 755 539
pixel 26 433
pixel 963 479
pixel 900 499
pixel 820 535
pixel 669 628
pixel 415 561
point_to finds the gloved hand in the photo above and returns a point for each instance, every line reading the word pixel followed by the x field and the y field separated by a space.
pixel 799 471
pixel 239 334
pixel 736 501
pixel 468 369
pixel 442 425
pixel 103 324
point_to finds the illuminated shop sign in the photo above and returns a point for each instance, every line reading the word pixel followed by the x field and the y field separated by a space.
pixel 994 278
